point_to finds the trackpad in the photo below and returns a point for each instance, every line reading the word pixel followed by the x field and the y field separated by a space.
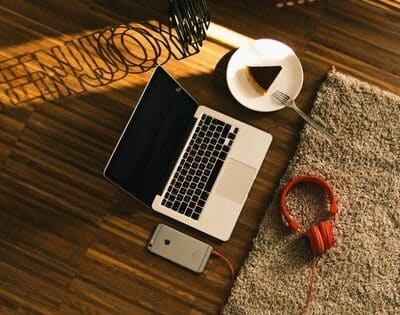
pixel 236 180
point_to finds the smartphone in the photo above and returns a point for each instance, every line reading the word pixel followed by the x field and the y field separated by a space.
pixel 179 248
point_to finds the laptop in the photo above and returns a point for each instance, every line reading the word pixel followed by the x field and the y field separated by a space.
pixel 188 162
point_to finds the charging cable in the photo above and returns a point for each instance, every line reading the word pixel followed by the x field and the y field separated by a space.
pixel 232 273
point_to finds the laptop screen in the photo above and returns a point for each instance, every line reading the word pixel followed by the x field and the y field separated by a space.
pixel 153 138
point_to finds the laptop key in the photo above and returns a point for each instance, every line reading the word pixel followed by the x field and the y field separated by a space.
pixel 204 195
pixel 225 131
pixel 195 216
pixel 192 204
pixel 175 206
pixel 182 207
pixel 222 155
pixel 216 135
pixel 217 122
pixel 213 175
pixel 188 212
pixel 198 209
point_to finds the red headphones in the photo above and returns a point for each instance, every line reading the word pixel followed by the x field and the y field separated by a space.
pixel 321 235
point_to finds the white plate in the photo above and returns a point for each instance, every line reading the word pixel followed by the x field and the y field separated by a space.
pixel 264 52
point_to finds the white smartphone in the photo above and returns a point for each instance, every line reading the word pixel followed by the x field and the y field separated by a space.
pixel 180 248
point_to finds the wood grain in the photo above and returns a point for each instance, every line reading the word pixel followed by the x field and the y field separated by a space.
pixel 72 243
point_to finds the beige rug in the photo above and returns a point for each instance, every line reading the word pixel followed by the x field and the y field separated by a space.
pixel 360 274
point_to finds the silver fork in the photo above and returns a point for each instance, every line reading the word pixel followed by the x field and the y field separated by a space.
pixel 286 100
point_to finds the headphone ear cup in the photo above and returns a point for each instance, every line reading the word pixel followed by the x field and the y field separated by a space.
pixel 316 240
pixel 326 231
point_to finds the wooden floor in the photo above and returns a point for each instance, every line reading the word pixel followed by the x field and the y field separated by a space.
pixel 72 243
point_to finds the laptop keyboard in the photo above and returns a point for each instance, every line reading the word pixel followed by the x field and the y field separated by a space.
pixel 198 169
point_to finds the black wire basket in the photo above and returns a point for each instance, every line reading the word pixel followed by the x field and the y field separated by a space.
pixel 190 19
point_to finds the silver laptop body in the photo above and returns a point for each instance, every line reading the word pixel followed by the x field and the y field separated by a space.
pixel 205 182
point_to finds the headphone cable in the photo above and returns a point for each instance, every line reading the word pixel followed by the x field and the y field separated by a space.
pixel 311 287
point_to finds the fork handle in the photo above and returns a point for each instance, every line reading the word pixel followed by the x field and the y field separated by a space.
pixel 313 123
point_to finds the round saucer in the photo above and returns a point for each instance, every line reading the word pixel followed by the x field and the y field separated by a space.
pixel 264 52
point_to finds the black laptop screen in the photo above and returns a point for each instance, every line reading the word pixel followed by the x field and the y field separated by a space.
pixel 153 138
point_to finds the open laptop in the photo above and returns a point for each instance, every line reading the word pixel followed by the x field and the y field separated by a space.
pixel 189 162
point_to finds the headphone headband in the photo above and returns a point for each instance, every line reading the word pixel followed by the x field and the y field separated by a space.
pixel 293 224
